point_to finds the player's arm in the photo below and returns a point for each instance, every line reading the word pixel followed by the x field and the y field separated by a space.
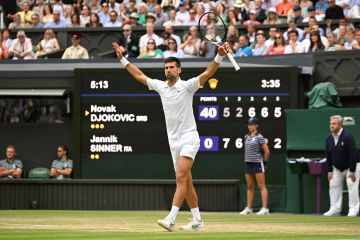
pixel 211 69
pixel 266 152
pixel 131 68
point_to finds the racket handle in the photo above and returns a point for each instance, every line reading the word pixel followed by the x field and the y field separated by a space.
pixel 232 60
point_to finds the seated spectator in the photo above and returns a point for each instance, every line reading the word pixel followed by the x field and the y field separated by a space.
pixel 149 34
pixel 343 24
pixel 57 22
pixel 341 35
pixel 95 6
pixel 233 43
pixel 356 44
pixel 114 6
pixel 233 30
pixel 131 6
pixel 332 43
pixel 294 45
pixel 68 12
pixel 354 11
pixel 75 51
pixel 207 49
pixel 232 18
pixel 10 167
pixel 4 52
pixel 296 15
pixel 24 15
pixel 21 48
pixel 305 5
pixel 150 18
pixel 208 5
pixel 104 14
pixel 293 26
pixel 151 5
pixel 261 12
pixel 164 41
pixel 334 11
pixel 173 50
pixel 151 50
pixel 58 6
pixel 191 45
pixel 200 10
pixel 244 50
pixel 85 15
pixel 62 167
pixel 192 20
pixel 169 29
pixel 312 13
pixel 251 33
pixel 134 19
pixel 252 18
pixel 75 22
pixel 114 22
pixel 129 42
pixel 306 42
pixel 266 4
pixel 142 13
pixel 39 7
pixel 161 17
pixel 124 14
pixel 350 39
pixel 345 5
pixel 279 45
pixel 220 10
pixel 260 48
pixel 16 24
pixel 94 21
pixel 172 19
pixel 35 22
pixel 48 45
pixel 182 15
pixel 5 39
pixel 169 4
pixel 272 17
pixel 283 8
pixel 270 41
pixel 320 7
pixel 46 15
pixel 312 24
pixel 316 44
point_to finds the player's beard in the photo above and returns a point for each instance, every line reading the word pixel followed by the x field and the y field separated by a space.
pixel 171 77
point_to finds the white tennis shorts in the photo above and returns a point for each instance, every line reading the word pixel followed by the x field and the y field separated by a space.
pixel 187 146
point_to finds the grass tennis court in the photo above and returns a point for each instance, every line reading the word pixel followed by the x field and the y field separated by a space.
pixel 17 224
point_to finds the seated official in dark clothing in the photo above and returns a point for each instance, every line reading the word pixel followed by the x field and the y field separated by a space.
pixel 129 42
pixel 343 164
pixel 334 11
pixel 10 167
pixel 62 167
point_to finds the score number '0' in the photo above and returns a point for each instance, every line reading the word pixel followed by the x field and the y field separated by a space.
pixel 211 112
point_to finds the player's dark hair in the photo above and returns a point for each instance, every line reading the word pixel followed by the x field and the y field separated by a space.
pixel 173 59
pixel 65 149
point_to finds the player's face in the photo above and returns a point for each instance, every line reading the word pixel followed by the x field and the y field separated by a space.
pixel 172 71
pixel 252 127
pixel 10 153
pixel 334 126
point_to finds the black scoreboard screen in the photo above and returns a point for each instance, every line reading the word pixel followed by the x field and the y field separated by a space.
pixel 123 132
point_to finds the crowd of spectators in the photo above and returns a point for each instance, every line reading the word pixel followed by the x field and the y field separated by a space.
pixel 125 14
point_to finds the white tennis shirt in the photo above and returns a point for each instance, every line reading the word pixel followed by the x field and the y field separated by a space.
pixel 177 102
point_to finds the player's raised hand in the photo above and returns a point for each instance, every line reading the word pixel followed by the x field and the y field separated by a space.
pixel 224 49
pixel 117 49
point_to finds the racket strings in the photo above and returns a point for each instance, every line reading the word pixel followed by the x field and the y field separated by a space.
pixel 212 28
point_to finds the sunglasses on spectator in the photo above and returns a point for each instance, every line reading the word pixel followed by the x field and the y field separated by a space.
pixel 192 12
pixel 278 37
pixel 112 15
pixel 150 43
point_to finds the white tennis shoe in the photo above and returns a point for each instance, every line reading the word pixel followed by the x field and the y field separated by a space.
pixel 167 223
pixel 246 211
pixel 263 211
pixel 331 213
pixel 193 225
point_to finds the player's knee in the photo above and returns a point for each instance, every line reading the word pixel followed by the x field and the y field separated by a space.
pixel 250 186
pixel 181 177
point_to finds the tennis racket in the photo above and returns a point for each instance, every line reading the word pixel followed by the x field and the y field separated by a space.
pixel 212 28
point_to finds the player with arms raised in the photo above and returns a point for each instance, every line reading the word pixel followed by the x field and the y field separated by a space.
pixel 177 97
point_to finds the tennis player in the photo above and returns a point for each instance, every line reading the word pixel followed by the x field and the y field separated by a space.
pixel 177 97
pixel 256 154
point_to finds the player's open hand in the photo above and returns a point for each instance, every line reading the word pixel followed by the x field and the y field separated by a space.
pixel 224 49
pixel 117 49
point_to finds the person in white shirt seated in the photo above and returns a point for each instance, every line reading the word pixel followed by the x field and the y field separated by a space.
pixel 294 45
pixel 293 26
pixel 173 49
pixel 312 13
pixel 192 20
pixel 113 20
pixel 21 47
pixel 172 19
pixel 306 42
pixel 182 15
pixel 169 29
pixel 149 34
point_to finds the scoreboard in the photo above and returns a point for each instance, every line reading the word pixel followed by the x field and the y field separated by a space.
pixel 122 127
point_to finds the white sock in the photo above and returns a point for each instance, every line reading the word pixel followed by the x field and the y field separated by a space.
pixel 196 213
pixel 174 211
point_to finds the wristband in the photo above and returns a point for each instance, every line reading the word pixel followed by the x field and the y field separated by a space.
pixel 218 59
pixel 124 61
